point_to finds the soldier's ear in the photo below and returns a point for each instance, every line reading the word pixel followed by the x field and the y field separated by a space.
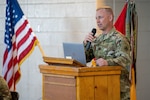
pixel 110 18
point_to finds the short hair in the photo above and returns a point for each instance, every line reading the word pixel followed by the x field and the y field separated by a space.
pixel 103 7
pixel 108 9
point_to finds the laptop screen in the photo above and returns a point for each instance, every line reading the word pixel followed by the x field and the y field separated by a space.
pixel 74 51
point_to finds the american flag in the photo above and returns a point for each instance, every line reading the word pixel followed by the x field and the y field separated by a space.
pixel 19 40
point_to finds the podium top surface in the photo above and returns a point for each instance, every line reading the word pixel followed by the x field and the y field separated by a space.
pixel 79 71
pixel 62 61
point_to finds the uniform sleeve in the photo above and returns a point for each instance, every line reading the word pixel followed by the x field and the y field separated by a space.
pixel 4 90
pixel 89 54
pixel 122 54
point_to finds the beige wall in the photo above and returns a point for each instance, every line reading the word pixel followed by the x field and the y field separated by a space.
pixel 57 21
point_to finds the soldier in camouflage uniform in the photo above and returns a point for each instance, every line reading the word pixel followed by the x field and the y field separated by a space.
pixel 110 48
pixel 4 90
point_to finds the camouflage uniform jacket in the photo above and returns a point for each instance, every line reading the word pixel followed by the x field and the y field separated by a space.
pixel 113 47
pixel 4 90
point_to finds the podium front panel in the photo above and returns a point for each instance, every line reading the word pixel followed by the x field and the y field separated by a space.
pixel 58 87
pixel 76 83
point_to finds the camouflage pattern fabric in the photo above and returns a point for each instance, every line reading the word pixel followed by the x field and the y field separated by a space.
pixel 4 90
pixel 113 47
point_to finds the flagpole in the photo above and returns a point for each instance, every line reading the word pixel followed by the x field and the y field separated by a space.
pixel 40 47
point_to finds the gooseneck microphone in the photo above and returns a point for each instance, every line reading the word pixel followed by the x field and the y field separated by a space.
pixel 89 43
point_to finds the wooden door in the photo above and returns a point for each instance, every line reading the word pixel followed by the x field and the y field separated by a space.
pixel 85 88
pixel 107 87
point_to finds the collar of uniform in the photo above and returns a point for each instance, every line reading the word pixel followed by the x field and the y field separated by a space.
pixel 109 34
pixel 103 37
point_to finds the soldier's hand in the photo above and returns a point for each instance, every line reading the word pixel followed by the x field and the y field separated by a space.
pixel 101 62
pixel 89 37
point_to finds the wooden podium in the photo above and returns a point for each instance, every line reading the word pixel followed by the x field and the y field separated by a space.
pixel 67 79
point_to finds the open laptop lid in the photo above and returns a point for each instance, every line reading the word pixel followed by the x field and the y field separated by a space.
pixel 74 51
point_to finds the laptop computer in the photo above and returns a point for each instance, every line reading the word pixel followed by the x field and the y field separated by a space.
pixel 74 51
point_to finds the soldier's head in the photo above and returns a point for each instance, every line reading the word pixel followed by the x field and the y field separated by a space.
pixel 104 18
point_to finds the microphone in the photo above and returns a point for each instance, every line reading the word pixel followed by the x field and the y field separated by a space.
pixel 89 43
